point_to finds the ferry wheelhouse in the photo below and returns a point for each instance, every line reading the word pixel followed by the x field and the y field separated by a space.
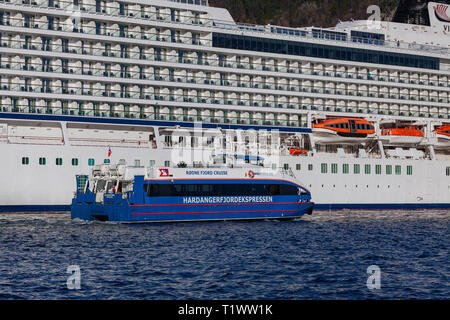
pixel 130 194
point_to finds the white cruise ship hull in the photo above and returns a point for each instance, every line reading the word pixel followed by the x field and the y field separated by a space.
pixel 50 187
pixel 83 82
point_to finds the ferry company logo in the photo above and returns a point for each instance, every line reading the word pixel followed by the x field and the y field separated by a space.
pixel 164 172
pixel 440 11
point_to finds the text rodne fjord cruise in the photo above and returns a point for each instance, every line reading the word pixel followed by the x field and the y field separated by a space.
pixel 359 113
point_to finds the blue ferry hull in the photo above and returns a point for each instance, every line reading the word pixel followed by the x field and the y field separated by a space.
pixel 117 209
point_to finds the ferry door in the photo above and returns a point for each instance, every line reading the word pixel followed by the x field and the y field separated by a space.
pixel 352 126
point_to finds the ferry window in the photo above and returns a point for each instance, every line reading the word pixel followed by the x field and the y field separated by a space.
pixel 196 190
pixel 59 161
pixel 345 168
pixel 273 189
pixel 323 168
pixel 356 169
pixel 288 190
pixel 107 161
pixel 298 167
pixel 25 160
pixel 378 169
pixel 310 167
pixel 367 169
pixel 388 169
pixel 137 163
pixel 42 161
pixel 409 170
pixel 334 168
pixel 447 171
pixel 167 163
pixel 74 161
pixel 286 166
pixel 152 163
pixel 91 162
pixel 398 170
pixel 122 161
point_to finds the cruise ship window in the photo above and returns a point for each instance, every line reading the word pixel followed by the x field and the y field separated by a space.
pixel 74 162
pixel 388 169
pixel 322 51
pixel 42 161
pixel 409 170
pixel 59 161
pixel 345 168
pixel 356 169
pixel 25 160
pixel 334 168
pixel 91 162
pixel 378 169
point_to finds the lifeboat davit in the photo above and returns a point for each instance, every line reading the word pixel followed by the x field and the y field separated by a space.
pixel 401 136
pixel 443 135
pixel 343 130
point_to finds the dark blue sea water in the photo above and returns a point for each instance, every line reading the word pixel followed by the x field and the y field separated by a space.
pixel 323 256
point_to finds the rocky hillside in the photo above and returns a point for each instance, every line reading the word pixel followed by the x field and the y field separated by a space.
pixel 301 13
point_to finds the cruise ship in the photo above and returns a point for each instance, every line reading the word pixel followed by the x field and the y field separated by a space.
pixel 360 111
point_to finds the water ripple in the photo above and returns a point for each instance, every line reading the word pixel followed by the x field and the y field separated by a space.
pixel 323 256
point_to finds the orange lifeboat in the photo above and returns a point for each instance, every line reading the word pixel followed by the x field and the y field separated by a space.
pixel 405 132
pixel 343 130
pixel 297 151
pixel 443 135
pixel 401 136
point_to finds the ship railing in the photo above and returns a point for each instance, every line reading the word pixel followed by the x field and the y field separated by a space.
pixel 324 34
pixel 287 172
pixel 312 35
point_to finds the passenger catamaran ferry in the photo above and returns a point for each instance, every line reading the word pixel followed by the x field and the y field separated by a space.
pixel 360 112
pixel 136 194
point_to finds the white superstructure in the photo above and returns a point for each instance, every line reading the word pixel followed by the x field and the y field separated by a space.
pixel 80 79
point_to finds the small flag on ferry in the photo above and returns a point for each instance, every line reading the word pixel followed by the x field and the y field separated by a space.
pixel 109 152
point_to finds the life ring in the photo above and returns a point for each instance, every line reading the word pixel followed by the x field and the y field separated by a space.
pixel 251 174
